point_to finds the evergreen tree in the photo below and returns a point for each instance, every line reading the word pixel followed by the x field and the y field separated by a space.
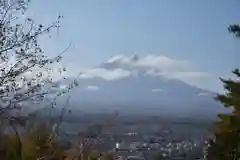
pixel 226 145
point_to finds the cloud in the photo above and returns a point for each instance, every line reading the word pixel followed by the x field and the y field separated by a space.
pixel 203 94
pixel 190 77
pixel 104 73
pixel 157 90
pixel 122 66
pixel 160 65
pixel 159 62
pixel 181 75
pixel 92 88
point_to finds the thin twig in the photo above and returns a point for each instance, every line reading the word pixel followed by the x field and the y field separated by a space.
pixel 19 146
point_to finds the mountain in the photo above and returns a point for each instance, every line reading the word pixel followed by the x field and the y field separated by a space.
pixel 125 84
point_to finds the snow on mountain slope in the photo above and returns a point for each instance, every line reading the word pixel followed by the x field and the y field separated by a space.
pixel 144 85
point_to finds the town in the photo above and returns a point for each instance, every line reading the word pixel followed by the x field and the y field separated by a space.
pixel 148 140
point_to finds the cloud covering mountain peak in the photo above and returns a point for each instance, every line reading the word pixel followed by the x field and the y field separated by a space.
pixel 123 66
pixel 159 62
pixel 144 84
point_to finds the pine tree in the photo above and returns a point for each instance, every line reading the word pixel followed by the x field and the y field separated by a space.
pixel 226 145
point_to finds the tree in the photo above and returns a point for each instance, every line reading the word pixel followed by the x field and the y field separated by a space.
pixel 158 156
pixel 226 144
pixel 25 70
pixel 35 145
pixel 108 156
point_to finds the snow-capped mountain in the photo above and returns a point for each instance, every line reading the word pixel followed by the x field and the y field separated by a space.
pixel 143 85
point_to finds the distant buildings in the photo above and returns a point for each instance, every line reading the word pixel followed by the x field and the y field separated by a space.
pixel 135 158
pixel 134 144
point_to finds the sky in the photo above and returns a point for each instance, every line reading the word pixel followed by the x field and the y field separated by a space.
pixel 155 30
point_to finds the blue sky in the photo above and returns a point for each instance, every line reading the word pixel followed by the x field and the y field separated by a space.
pixel 190 30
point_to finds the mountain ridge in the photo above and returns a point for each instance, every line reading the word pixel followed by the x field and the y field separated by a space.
pixel 141 86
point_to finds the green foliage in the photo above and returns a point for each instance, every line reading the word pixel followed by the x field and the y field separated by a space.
pixel 235 29
pixel 108 156
pixel 35 145
pixel 94 155
pixel 226 145
pixel 158 157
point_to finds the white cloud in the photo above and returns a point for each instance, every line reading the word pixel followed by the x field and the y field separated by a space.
pixel 186 76
pixel 63 86
pixel 122 66
pixel 160 65
pixel 92 88
pixel 104 73
pixel 189 75
pixel 159 62
pixel 193 78
pixel 203 94
pixel 157 90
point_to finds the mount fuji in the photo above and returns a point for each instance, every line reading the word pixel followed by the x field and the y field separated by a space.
pixel 153 85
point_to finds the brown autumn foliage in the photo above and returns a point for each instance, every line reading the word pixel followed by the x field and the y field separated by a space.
pixel 36 145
